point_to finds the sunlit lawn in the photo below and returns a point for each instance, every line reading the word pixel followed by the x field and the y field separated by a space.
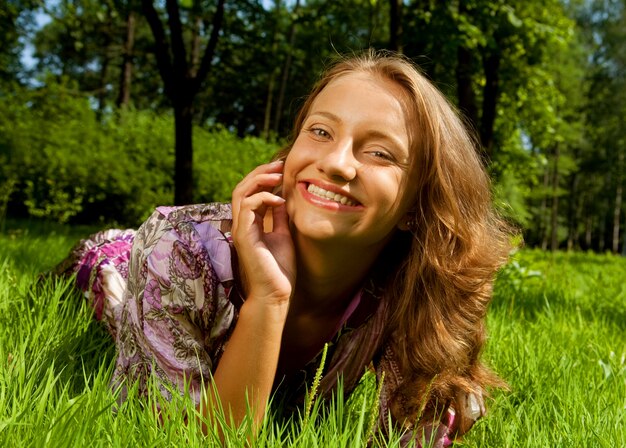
pixel 557 335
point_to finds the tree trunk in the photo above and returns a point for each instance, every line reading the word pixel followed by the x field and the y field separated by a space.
pixel 617 206
pixel 287 67
pixel 195 47
pixel 183 168
pixel 543 211
pixel 616 218
pixel 272 81
pixel 465 91
pixel 268 106
pixel 554 225
pixel 395 26
pixel 419 42
pixel 602 223
pixel 464 88
pixel 491 64
pixel 579 220
pixel 370 18
pixel 588 232
pixel 572 214
pixel 126 76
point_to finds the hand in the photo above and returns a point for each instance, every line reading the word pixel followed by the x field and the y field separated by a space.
pixel 267 260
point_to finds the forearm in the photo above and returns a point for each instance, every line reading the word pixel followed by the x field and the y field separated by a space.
pixel 246 371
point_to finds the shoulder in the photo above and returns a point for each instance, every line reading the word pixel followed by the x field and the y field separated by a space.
pixel 199 231
pixel 187 222
pixel 188 217
pixel 195 213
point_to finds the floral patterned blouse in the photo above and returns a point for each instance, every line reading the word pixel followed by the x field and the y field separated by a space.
pixel 169 294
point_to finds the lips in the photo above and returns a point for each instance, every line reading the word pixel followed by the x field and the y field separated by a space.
pixel 330 195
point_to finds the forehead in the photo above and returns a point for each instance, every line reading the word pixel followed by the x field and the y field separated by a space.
pixel 365 97
pixel 366 85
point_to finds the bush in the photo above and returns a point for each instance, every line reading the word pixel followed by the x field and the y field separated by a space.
pixel 221 160
pixel 63 164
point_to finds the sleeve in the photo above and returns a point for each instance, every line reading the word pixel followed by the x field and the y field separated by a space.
pixel 177 315
pixel 100 265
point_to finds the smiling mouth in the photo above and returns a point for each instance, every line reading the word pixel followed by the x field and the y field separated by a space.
pixel 329 195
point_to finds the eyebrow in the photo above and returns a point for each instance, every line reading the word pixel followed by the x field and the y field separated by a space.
pixel 329 115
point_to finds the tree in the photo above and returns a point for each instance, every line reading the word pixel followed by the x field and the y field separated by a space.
pixel 602 25
pixel 16 22
pixel 183 74
pixel 100 46
pixel 544 93
pixel 395 25
pixel 126 72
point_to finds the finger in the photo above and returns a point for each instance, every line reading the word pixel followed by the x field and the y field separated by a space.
pixel 260 182
pixel 253 208
pixel 261 200
pixel 252 181
pixel 266 168
pixel 280 219
pixel 257 184
pixel 274 166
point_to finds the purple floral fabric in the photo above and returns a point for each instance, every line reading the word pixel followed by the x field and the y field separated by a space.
pixel 101 266
pixel 178 311
pixel 169 295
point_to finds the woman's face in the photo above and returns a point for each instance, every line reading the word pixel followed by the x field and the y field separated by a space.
pixel 346 178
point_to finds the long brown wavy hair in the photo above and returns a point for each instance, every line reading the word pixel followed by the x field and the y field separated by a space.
pixel 442 286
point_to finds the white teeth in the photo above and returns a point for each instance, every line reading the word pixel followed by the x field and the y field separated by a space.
pixel 325 194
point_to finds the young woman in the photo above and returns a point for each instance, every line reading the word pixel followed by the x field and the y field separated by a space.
pixel 372 231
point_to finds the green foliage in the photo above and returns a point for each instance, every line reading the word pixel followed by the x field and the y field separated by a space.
pixel 557 148
pixel 221 160
pixel 509 197
pixel 65 164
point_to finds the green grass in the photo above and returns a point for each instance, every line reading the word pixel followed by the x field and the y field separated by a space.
pixel 557 335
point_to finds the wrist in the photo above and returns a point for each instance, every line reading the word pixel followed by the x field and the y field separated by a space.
pixel 270 311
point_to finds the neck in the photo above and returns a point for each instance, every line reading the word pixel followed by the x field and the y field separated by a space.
pixel 329 274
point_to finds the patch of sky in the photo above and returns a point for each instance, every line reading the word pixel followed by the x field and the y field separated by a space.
pixel 27 58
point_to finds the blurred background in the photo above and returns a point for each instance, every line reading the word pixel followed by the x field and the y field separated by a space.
pixel 109 108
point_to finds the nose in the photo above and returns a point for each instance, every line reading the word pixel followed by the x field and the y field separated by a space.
pixel 339 163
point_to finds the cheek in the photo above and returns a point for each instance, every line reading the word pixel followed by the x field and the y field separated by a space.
pixel 297 159
pixel 289 175
pixel 387 186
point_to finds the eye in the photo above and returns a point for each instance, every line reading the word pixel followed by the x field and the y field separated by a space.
pixel 320 132
pixel 382 155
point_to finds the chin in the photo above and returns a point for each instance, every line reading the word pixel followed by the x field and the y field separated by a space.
pixel 316 230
